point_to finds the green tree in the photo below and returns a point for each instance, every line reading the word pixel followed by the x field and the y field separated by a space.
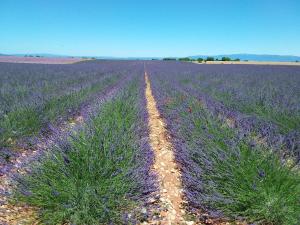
pixel 226 59
pixel 184 59
pixel 169 59
pixel 200 60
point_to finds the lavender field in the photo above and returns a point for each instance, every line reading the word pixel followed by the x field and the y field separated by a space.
pixel 110 142
pixel 227 126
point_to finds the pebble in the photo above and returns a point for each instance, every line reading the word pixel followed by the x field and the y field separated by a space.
pixel 144 210
pixel 151 200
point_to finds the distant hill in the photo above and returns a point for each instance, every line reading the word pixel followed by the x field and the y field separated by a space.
pixel 249 57
pixel 254 57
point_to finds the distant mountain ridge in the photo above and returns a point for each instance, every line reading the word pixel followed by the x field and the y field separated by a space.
pixel 254 57
pixel 249 57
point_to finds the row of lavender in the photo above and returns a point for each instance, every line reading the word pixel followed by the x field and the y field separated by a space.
pixel 258 100
pixel 100 174
pixel 34 96
pixel 35 146
pixel 224 173
pixel 33 84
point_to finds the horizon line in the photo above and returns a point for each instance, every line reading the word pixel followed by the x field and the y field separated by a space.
pixel 70 55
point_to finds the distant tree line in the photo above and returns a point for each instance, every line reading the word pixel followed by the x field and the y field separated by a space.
pixel 39 56
pixel 169 59
pixel 200 60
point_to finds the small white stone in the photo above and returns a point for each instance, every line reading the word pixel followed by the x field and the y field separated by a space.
pixel 151 200
pixel 144 210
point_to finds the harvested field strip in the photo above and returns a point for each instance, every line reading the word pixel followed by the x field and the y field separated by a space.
pixel 40 60
pixel 164 165
pixel 252 63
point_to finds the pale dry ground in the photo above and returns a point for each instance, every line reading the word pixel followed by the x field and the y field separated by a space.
pixel 169 176
pixel 39 60
pixel 252 63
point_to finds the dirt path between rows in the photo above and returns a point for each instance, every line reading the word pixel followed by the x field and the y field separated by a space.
pixel 169 176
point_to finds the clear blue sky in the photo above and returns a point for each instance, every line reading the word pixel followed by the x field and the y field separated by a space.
pixel 150 28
